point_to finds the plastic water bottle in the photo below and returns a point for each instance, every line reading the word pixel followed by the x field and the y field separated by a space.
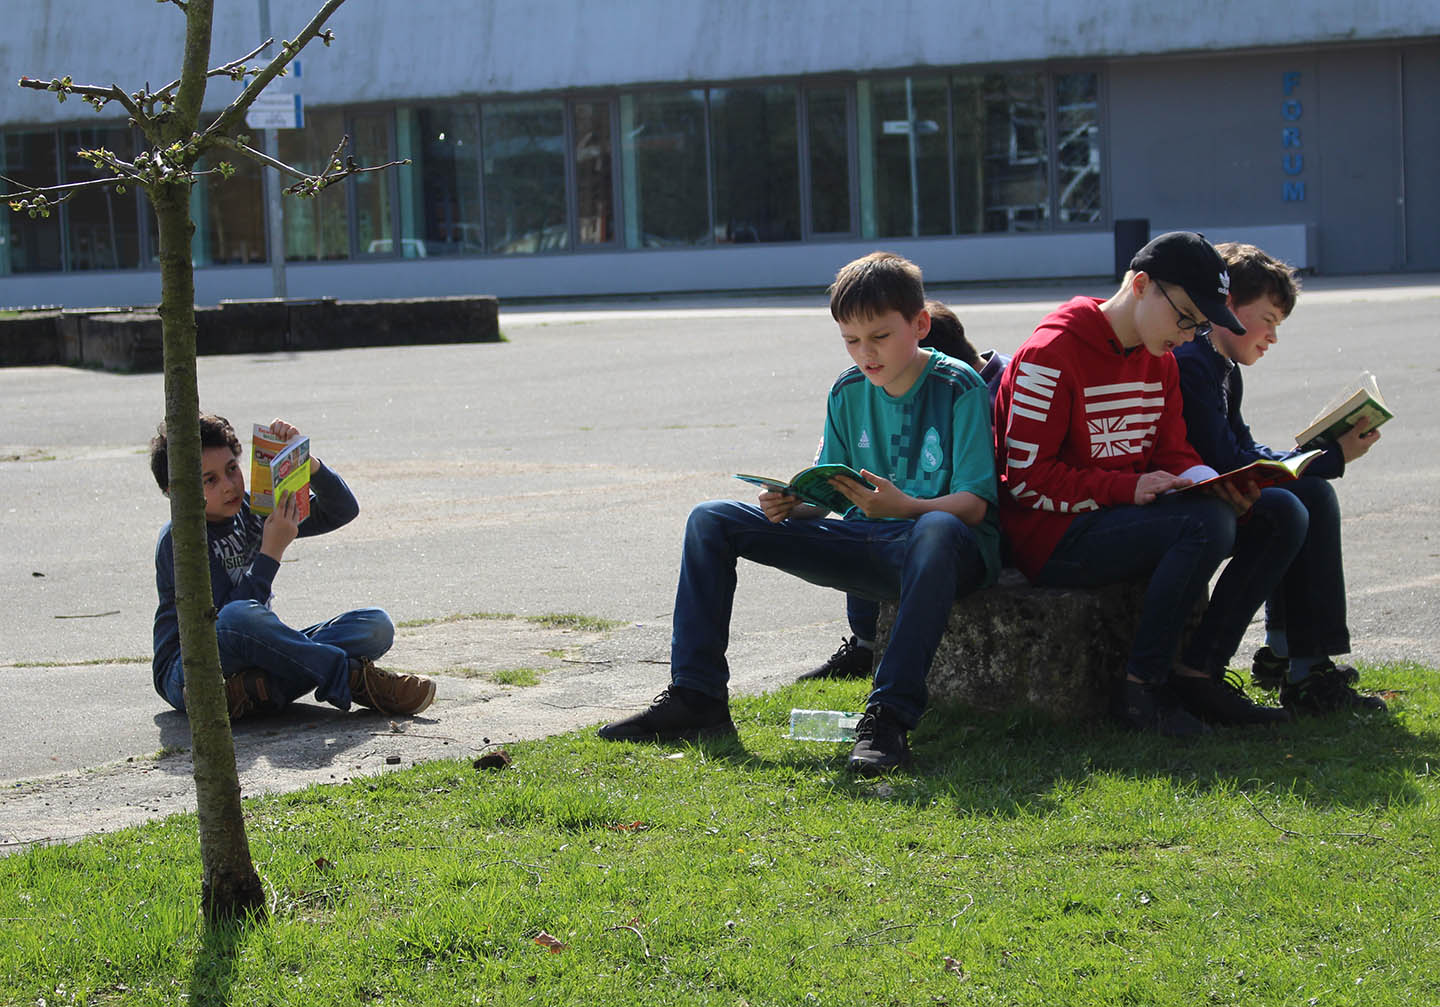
pixel 822 725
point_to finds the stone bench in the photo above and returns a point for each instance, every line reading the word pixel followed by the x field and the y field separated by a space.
pixel 1060 651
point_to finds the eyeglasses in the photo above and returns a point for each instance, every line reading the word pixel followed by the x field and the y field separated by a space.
pixel 1185 322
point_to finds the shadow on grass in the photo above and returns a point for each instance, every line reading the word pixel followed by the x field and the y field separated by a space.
pixel 212 980
pixel 1018 764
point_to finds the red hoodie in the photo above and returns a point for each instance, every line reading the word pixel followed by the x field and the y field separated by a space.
pixel 1078 420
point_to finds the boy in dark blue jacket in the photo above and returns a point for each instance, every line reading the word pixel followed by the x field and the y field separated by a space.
pixel 266 664
pixel 1305 611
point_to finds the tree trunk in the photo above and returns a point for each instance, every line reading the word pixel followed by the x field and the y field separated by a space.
pixel 229 887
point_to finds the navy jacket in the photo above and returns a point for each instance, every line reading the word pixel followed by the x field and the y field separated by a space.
pixel 1212 389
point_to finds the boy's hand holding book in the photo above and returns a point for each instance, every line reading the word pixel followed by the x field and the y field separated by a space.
pixel 281 526
pixel 1358 439
pixel 883 499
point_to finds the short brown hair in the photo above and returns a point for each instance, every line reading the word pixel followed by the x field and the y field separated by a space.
pixel 947 335
pixel 1255 274
pixel 877 283
pixel 215 432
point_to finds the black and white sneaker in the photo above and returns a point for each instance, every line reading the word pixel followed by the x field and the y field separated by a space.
pixel 1327 690
pixel 677 714
pixel 851 661
pixel 1222 701
pixel 881 743
pixel 1268 670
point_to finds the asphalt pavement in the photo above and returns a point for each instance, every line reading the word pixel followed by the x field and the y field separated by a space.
pixel 551 474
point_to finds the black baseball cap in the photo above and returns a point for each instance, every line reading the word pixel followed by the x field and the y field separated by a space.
pixel 1186 259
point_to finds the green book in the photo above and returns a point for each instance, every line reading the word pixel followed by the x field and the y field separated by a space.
pixel 812 485
pixel 1344 411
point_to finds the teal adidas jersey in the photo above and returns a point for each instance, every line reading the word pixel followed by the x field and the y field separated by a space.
pixel 934 440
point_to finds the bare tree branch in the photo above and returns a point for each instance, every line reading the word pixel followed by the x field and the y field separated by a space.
pixel 228 70
pixel 229 119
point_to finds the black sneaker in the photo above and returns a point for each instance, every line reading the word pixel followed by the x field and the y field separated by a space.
pixel 1155 708
pixel 850 661
pixel 677 714
pixel 1268 670
pixel 1327 689
pixel 881 743
pixel 1222 701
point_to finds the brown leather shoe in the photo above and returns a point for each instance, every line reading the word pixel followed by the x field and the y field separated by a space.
pixel 389 692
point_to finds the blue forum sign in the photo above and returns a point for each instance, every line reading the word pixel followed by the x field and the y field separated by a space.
pixel 1292 161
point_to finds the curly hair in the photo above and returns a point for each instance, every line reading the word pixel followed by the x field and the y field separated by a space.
pixel 215 432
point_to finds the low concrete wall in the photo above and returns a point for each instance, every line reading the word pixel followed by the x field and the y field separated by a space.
pixel 129 339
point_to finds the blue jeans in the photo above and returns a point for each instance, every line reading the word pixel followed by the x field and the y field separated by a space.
pixel 1309 604
pixel 926 564
pixel 863 615
pixel 316 658
pixel 1266 544
pixel 1178 542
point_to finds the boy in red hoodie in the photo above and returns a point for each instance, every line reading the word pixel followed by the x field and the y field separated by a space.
pixel 1090 440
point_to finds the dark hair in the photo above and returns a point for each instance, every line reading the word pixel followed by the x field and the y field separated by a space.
pixel 1255 274
pixel 875 284
pixel 948 336
pixel 215 432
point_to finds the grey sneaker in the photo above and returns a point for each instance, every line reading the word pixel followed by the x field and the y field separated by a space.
pixel 389 692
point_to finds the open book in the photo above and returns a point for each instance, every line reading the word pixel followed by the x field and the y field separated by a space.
pixel 277 466
pixel 1358 400
pixel 812 485
pixel 1264 472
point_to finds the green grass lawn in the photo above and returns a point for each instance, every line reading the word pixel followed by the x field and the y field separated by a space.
pixel 1020 863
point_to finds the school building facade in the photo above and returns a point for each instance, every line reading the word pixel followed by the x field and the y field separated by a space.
pixel 565 147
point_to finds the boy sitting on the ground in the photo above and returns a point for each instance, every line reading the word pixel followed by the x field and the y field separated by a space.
pixel 1305 615
pixel 916 425
pixel 266 664
pixel 855 657
pixel 1091 438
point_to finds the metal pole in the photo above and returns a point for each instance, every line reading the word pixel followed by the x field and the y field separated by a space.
pixel 913 128
pixel 274 212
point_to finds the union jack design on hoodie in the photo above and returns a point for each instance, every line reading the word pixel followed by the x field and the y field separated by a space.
pixel 1078 420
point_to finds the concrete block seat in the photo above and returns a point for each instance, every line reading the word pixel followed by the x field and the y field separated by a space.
pixel 1059 651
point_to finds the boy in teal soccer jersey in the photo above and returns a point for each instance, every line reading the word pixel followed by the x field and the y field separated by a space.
pixel 916 424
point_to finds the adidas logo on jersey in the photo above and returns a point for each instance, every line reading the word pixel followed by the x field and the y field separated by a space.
pixel 864 441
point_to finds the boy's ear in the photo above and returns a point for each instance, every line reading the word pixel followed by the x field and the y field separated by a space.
pixel 922 324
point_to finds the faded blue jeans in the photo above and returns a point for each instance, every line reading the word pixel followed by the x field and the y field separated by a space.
pixel 299 661
pixel 925 564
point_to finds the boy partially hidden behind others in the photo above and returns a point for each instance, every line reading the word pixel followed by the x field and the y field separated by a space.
pixel 916 425
pixel 266 664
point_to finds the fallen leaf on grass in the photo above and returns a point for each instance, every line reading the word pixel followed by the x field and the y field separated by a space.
pixel 952 966
pixel 323 864
pixel 552 944
pixel 632 827
pixel 497 759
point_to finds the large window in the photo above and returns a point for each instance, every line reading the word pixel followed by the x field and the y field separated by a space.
pixel 827 115
pixel 32 244
pixel 229 214
pixel 316 227
pixel 665 169
pixel 1077 113
pixel 755 152
pixel 594 151
pixel 102 226
pixel 440 207
pixel 524 146
pixel 1002 161
pixel 371 191
pixel 907 146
